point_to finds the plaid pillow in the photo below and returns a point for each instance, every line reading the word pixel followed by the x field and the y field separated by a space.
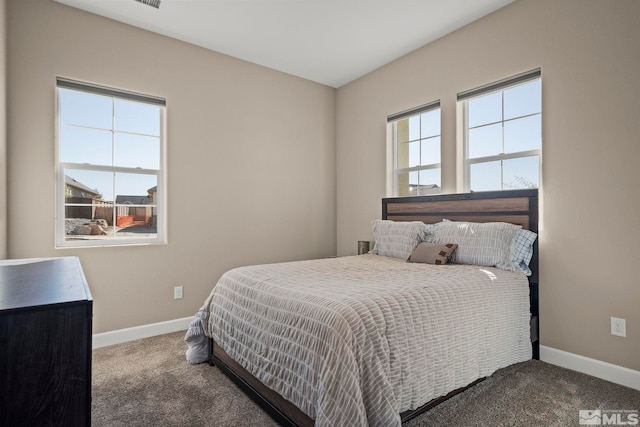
pixel 522 250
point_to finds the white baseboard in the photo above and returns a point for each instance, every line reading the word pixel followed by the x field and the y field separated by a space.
pixel 597 368
pixel 129 334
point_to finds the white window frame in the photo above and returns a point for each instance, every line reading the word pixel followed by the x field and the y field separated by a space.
pixel 160 202
pixel 492 88
pixel 393 121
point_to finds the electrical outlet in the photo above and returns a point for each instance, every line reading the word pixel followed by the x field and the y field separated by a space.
pixel 177 292
pixel 618 327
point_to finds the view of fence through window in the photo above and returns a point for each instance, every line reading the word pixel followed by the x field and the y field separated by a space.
pixel 110 161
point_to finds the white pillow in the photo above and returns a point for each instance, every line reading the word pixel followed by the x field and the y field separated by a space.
pixel 429 237
pixel 487 244
pixel 397 239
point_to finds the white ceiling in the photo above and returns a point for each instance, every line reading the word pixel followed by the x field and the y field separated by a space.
pixel 328 41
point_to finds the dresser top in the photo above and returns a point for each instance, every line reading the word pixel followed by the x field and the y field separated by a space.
pixel 41 282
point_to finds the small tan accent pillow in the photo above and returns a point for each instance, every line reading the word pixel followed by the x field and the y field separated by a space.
pixel 433 253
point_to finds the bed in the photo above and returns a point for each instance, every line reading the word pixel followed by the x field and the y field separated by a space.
pixel 343 341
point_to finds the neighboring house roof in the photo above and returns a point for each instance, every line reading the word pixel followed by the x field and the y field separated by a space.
pixel 423 189
pixel 133 200
pixel 153 189
pixel 71 182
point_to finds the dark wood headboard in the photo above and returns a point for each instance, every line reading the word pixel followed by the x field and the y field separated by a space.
pixel 514 206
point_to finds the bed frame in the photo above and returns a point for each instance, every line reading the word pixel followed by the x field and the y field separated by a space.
pixel 515 206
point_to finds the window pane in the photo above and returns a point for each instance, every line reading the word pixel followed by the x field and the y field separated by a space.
pixel 89 222
pixel 417 144
pixel 414 153
pixel 139 227
pixel 522 134
pixel 414 128
pixel 485 176
pixel 429 182
pixel 135 207
pixel 137 117
pixel 419 183
pixel 485 109
pixel 522 100
pixel 98 185
pixel 87 215
pixel 134 185
pixel 82 145
pixel 485 141
pixel 407 183
pixel 430 151
pixel 78 225
pixel 85 109
pixel 402 131
pixel 402 184
pixel 408 129
pixel 523 172
pixel 430 123
pixel 413 179
pixel 402 160
pixel 137 151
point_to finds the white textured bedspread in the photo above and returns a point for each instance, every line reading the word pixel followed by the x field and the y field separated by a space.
pixel 355 341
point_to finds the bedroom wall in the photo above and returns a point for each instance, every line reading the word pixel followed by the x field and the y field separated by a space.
pixel 251 159
pixel 3 129
pixel 587 50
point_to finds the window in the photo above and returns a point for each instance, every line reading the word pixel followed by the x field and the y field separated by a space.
pixel 110 173
pixel 503 134
pixel 416 137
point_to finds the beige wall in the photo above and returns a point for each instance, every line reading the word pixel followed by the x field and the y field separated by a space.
pixel 255 149
pixel 589 244
pixel 251 159
pixel 3 130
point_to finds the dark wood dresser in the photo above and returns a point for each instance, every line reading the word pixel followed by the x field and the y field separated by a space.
pixel 45 343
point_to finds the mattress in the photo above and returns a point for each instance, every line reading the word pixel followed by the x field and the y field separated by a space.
pixel 355 341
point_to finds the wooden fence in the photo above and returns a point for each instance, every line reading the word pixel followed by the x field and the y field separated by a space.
pixel 99 209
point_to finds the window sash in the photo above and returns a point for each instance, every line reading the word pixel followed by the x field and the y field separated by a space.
pixel 393 120
pixel 158 205
pixel 418 168
pixel 504 156
pixel 109 240
pixel 104 168
pixel 489 89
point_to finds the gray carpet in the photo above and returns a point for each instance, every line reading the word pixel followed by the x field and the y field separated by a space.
pixel 149 382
